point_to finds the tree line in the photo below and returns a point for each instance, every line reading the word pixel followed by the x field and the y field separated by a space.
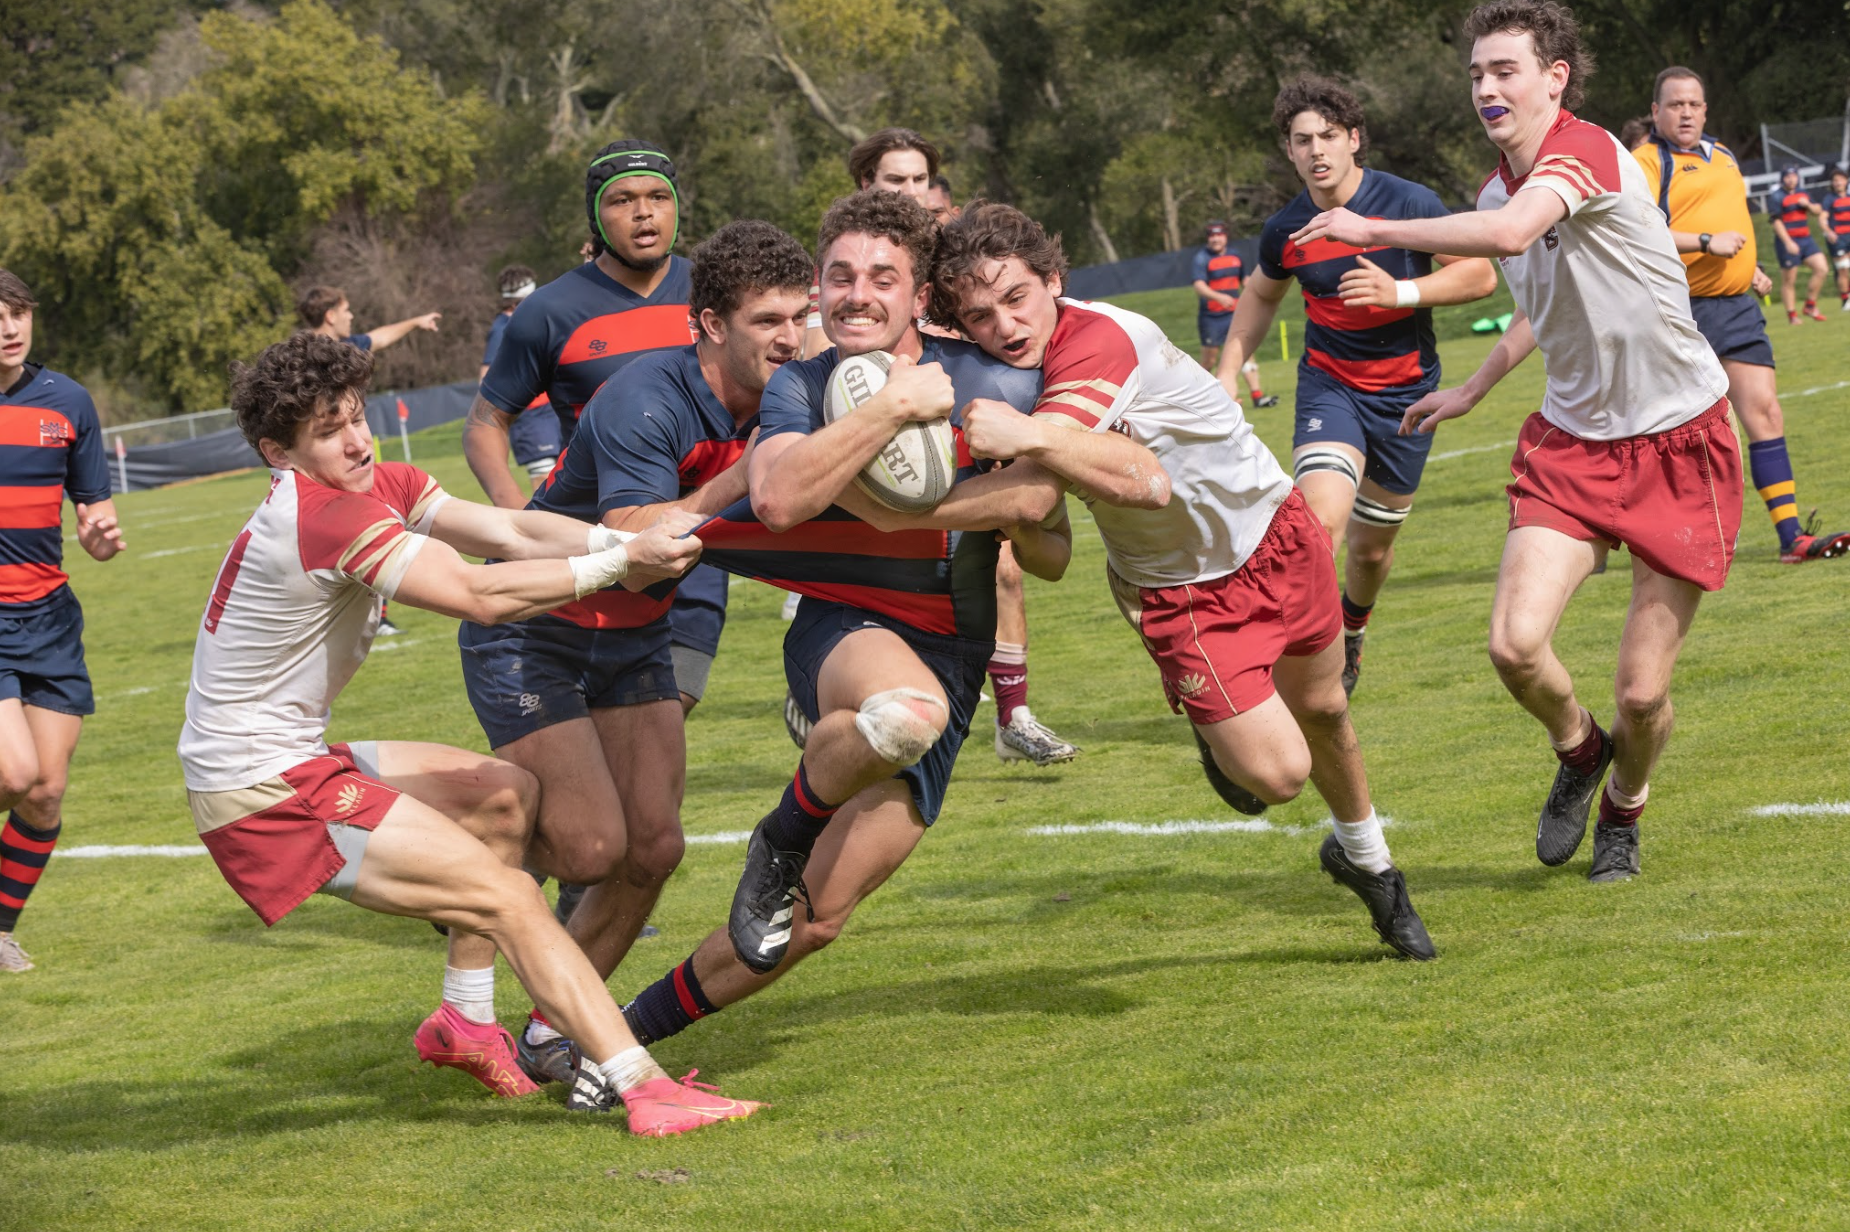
pixel 171 171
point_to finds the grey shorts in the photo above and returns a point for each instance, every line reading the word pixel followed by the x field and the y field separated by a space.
pixel 691 669
pixel 351 841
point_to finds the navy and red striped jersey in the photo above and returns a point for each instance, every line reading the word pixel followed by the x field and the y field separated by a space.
pixel 1222 272
pixel 1794 213
pixel 50 444
pixel 1837 209
pixel 941 582
pixel 652 437
pixel 1370 349
pixel 568 337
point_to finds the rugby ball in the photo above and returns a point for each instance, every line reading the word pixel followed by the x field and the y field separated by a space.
pixel 918 466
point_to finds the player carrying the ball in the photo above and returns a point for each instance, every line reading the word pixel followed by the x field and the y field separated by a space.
pixel 1231 584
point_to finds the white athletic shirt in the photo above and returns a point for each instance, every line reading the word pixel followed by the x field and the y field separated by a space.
pixel 291 618
pixel 1605 292
pixel 1113 370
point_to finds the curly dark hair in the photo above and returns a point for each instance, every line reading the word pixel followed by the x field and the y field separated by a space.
pixel 14 293
pixel 1327 99
pixel 987 231
pixel 864 158
pixel 316 303
pixel 743 257
pixel 890 215
pixel 304 376
pixel 1551 28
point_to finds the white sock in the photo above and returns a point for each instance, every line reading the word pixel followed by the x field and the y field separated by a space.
pixel 539 1032
pixel 1579 740
pixel 630 1068
pixel 1627 800
pixel 1363 844
pixel 471 992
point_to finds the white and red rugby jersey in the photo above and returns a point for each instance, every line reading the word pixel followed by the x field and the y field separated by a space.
pixel 1113 370
pixel 291 617
pixel 1605 292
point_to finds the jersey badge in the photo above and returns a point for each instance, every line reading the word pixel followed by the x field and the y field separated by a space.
pixel 55 432
pixel 1552 240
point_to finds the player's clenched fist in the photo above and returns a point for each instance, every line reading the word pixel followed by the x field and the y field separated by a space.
pixel 997 430
pixel 919 391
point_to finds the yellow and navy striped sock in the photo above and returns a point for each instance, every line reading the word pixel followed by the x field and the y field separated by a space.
pixel 1772 471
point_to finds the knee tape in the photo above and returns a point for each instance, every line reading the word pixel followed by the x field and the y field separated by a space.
pixel 1319 459
pixel 1374 513
pixel 893 726
pixel 1843 263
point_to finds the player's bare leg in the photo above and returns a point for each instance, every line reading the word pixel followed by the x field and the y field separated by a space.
pixel 1789 291
pixel 420 863
pixel 1661 611
pixel 36 746
pixel 1261 750
pixel 868 838
pixel 881 709
pixel 1540 572
pixel 1819 273
pixel 1019 735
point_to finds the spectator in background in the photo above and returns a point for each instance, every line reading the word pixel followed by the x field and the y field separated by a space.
pixel 1633 132
pixel 325 311
pixel 534 438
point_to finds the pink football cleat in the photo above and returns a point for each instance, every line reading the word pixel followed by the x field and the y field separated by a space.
pixel 662 1106
pixel 484 1051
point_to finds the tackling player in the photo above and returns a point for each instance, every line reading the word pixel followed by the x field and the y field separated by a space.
pixel 1700 191
pixel 1632 444
pixel 404 828
pixel 1230 581
pixel 53 445
pixel 585 697
pixel 1369 351
pixel 886 654
pixel 1218 274
pixel 1792 228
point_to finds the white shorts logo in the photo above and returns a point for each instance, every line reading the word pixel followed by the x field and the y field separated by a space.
pixel 1313 424
pixel 1191 684
pixel 349 798
pixel 529 703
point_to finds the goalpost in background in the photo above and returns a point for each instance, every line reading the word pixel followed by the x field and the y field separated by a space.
pixel 1815 146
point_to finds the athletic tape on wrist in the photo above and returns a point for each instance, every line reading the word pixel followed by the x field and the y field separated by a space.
pixel 1406 293
pixel 592 573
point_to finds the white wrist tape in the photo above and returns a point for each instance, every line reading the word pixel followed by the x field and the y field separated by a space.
pixel 602 538
pixel 592 573
pixel 1406 293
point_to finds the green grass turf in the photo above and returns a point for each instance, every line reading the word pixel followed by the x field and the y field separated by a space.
pixel 1195 1031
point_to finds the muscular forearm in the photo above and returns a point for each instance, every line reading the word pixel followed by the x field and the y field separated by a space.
pixel 723 490
pixel 1511 349
pixel 1252 318
pixel 1106 466
pixel 1020 492
pixel 1042 549
pixel 1463 281
pixel 485 445
pixel 792 483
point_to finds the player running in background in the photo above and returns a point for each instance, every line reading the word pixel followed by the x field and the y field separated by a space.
pixel 1700 191
pixel 400 827
pixel 325 311
pixel 574 333
pixel 53 446
pixel 1792 211
pixel 1230 581
pixel 1632 444
pixel 1369 351
pixel 1837 222
pixel 1218 274
pixel 585 697
pixel 886 654
pixel 535 438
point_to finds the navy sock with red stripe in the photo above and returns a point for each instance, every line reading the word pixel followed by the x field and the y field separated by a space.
pixel 668 1006
pixel 800 817
pixel 24 852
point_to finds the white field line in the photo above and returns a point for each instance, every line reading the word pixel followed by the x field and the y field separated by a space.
pixel 197 547
pixel 1822 808
pixel 1818 389
pixel 395 643
pixel 102 853
pixel 1165 829
pixel 1459 453
pixel 724 836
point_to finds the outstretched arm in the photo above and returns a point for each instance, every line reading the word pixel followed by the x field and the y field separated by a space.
pixel 1502 232
pixel 384 336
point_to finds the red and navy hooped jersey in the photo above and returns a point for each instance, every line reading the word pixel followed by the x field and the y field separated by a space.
pixel 1222 272
pixel 1370 349
pixel 1837 209
pixel 568 337
pixel 652 437
pixel 941 582
pixel 1794 213
pixel 50 444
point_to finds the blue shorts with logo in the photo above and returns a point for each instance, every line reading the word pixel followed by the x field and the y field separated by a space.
pixel 1213 327
pixel 1808 247
pixel 1840 247
pixel 1734 327
pixel 534 435
pixel 699 611
pixel 1328 410
pixel 957 662
pixel 534 673
pixel 42 657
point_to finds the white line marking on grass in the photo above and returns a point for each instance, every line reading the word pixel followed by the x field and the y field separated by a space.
pixel 1459 453
pixel 197 547
pixel 396 643
pixel 1819 389
pixel 1823 808
pixel 1164 829
pixel 725 836
pixel 100 853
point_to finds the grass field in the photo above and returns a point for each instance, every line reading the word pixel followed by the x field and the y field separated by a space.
pixel 1027 1030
